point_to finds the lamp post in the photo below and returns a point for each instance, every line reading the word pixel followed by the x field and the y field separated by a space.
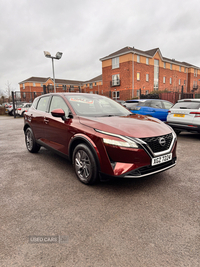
pixel 58 56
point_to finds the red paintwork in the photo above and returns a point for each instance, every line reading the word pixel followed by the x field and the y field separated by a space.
pixel 59 134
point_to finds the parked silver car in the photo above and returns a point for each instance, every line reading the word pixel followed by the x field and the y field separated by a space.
pixel 185 116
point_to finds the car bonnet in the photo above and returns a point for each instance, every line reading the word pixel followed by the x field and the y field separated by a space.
pixel 134 125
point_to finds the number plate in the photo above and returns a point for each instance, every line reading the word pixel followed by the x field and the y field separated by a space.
pixel 179 115
pixel 161 159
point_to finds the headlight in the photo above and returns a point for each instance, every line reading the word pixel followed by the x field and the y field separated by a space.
pixel 120 143
pixel 124 143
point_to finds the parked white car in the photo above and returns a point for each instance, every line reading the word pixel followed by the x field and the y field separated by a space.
pixel 185 116
pixel 23 108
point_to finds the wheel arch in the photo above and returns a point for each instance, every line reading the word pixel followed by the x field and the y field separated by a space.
pixel 81 139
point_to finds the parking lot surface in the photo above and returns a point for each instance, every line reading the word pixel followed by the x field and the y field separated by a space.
pixel 48 218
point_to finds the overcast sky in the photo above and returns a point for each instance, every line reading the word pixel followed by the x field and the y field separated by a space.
pixel 87 30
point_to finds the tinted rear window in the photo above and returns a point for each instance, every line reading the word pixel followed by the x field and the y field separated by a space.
pixel 187 105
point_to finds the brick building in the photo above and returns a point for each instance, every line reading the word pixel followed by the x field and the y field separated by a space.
pixel 124 73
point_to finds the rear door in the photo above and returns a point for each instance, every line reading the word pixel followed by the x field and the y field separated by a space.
pixel 37 116
pixel 57 130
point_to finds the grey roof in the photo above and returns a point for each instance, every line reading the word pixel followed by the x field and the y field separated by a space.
pixel 96 79
pixel 147 53
pixel 60 81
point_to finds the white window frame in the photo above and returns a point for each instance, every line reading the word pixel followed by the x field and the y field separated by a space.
pixel 33 84
pixel 164 65
pixel 147 77
pixel 170 66
pixel 170 80
pixel 91 85
pixel 138 76
pixel 179 81
pixel 147 60
pixel 180 68
pixel 115 80
pixel 115 62
pixel 116 95
pixel 138 58
pixel 23 85
pixel 164 79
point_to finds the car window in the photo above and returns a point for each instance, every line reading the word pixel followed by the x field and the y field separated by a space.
pixel 35 103
pixel 42 104
pixel 92 106
pixel 146 103
pixel 156 104
pixel 187 105
pixel 58 102
pixel 167 105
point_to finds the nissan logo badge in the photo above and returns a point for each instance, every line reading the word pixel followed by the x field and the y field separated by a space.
pixel 162 141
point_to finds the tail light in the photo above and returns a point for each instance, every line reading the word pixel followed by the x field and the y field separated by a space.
pixel 169 111
pixel 197 114
pixel 19 109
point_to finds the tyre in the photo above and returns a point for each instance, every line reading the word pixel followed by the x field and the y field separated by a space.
pixel 31 144
pixel 85 165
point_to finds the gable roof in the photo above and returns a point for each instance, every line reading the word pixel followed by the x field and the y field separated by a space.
pixel 148 53
pixel 60 81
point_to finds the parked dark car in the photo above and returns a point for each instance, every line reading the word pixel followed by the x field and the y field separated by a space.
pixel 99 136
pixel 156 108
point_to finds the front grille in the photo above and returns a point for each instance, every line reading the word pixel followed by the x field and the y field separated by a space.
pixel 151 169
pixel 155 144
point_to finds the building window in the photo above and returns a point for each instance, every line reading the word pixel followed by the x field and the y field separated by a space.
pixel 115 63
pixel 115 95
pixel 91 85
pixel 147 77
pixel 164 78
pixel 156 73
pixel 170 66
pixel 41 84
pixel 138 76
pixel 180 68
pixel 170 80
pixel 115 80
pixel 95 84
pixel 138 93
pixel 34 84
pixel 138 58
pixel 185 70
pixel 184 82
pixel 147 60
pixel 164 65
pixel 179 81
pixel 23 85
pixel 24 95
pixel 147 92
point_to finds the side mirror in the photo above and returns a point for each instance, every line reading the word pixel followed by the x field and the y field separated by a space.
pixel 58 113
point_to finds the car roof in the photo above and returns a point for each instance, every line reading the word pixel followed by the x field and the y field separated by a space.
pixel 189 100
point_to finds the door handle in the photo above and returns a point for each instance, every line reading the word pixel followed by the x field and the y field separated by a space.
pixel 46 121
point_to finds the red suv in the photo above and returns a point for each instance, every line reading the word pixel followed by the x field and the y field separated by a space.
pixel 99 136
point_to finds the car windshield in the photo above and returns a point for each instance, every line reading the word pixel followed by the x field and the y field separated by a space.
pixel 96 106
pixel 186 105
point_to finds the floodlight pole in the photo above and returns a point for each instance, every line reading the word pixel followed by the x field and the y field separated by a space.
pixel 54 82
pixel 58 56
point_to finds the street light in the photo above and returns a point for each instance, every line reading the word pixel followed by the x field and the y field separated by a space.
pixel 58 56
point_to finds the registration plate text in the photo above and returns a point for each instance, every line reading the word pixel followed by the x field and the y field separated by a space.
pixel 161 159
